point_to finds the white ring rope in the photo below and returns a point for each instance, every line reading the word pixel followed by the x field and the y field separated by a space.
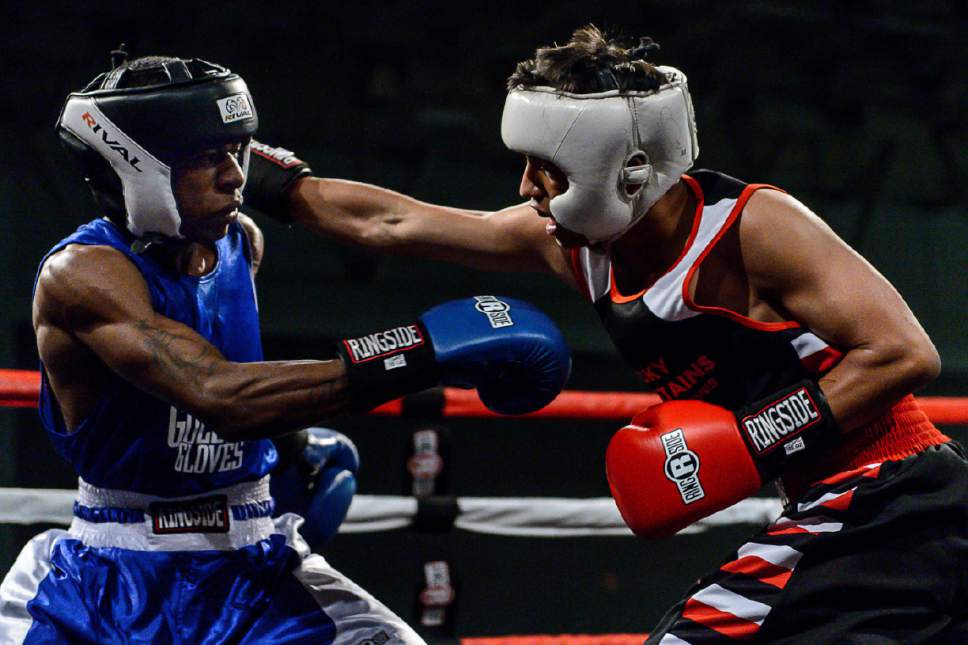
pixel 511 516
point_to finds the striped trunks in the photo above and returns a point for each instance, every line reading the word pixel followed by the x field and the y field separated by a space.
pixel 874 555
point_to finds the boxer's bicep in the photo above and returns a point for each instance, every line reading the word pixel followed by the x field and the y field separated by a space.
pixel 797 262
pixel 95 295
pixel 98 297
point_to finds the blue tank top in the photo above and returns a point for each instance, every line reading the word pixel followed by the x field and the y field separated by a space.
pixel 134 441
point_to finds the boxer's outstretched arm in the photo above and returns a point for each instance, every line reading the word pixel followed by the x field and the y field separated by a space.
pixel 94 295
pixel 93 311
pixel 513 239
pixel 796 262
pixel 283 187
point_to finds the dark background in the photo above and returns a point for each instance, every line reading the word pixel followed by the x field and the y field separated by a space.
pixel 857 108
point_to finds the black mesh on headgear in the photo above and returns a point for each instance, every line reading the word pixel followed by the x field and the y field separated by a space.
pixel 154 72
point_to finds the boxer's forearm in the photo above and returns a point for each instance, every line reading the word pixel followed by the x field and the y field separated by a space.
pixel 239 400
pixel 348 211
pixel 512 239
pixel 270 399
pixel 367 215
pixel 869 380
pixel 282 186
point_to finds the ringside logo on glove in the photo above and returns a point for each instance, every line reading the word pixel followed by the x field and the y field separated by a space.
pixel 781 420
pixel 517 366
pixel 383 343
pixel 495 310
pixel 682 466
pixel 276 154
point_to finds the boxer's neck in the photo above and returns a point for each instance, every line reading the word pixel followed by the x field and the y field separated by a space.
pixel 650 247
pixel 190 258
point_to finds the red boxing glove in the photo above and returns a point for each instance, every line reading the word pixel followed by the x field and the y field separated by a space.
pixel 680 461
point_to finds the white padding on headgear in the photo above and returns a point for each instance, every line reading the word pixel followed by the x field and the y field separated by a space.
pixel 591 137
pixel 148 196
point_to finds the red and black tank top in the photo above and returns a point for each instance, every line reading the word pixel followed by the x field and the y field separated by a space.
pixel 684 350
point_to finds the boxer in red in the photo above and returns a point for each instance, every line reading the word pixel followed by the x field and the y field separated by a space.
pixel 780 353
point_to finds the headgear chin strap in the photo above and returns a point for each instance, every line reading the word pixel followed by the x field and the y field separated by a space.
pixel 127 139
pixel 591 138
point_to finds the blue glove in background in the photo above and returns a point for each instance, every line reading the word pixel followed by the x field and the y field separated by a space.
pixel 320 485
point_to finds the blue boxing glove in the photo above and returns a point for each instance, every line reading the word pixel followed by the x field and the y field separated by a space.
pixel 509 350
pixel 320 484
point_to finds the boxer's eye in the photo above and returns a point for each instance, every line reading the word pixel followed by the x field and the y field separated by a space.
pixel 552 173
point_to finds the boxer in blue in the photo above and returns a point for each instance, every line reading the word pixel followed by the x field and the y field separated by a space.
pixel 155 390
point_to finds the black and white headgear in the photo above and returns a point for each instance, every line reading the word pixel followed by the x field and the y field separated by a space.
pixel 128 138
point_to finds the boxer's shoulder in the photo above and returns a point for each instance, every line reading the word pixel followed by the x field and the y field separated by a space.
pixel 86 279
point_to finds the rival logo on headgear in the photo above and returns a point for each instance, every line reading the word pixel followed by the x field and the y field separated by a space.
pixel 234 108
pixel 115 145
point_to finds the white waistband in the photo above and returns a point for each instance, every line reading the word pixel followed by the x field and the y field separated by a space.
pixel 148 535
pixel 241 493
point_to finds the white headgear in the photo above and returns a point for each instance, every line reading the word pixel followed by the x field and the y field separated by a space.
pixel 591 137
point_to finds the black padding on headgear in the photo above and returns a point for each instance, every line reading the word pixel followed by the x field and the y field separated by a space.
pixel 180 116
pixel 190 108
pixel 172 119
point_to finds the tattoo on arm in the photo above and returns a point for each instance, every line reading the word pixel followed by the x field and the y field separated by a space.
pixel 179 356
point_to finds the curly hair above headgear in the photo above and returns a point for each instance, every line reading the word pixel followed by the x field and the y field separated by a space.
pixel 591 62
